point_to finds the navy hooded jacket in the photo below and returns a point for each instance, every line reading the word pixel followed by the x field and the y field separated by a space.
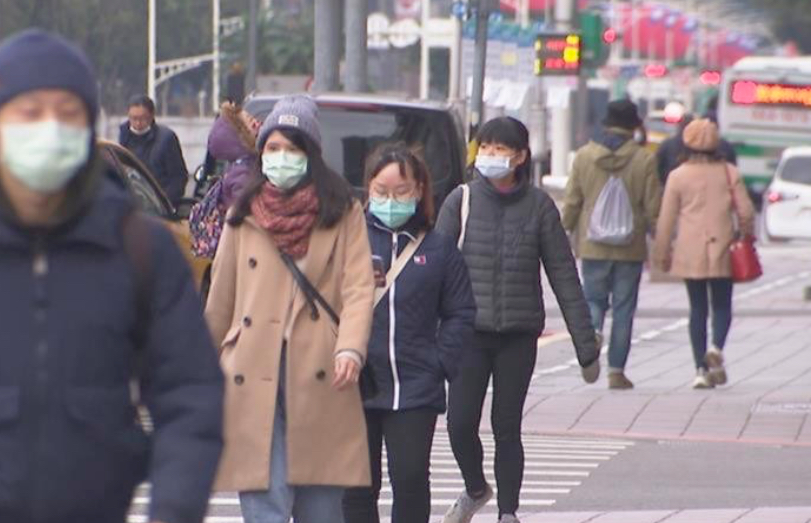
pixel 422 324
pixel 159 149
pixel 70 447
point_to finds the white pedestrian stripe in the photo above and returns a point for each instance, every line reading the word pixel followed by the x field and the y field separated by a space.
pixel 554 466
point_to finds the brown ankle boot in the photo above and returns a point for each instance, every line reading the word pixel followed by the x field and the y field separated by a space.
pixel 617 380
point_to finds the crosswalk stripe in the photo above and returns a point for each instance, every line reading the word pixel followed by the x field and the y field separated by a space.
pixel 554 466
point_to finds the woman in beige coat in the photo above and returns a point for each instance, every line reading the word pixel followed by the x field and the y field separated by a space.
pixel 295 435
pixel 698 205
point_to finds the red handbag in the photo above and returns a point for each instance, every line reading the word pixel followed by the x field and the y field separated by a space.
pixel 742 253
pixel 744 259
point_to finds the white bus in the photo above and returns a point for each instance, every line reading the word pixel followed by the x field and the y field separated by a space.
pixel 765 106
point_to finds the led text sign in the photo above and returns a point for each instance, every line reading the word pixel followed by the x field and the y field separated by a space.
pixel 746 92
pixel 558 54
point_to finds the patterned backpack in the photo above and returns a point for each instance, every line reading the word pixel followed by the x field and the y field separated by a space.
pixel 206 222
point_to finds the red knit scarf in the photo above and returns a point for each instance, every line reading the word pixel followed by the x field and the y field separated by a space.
pixel 289 218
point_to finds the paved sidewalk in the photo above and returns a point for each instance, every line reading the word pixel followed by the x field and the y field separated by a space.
pixel 758 515
pixel 768 397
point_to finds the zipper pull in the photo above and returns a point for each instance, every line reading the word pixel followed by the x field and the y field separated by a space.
pixel 39 264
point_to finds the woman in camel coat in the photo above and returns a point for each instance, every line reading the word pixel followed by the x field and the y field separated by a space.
pixel 295 434
pixel 698 207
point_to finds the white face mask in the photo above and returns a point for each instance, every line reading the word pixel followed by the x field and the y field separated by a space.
pixel 493 167
pixel 140 133
pixel 283 169
pixel 44 156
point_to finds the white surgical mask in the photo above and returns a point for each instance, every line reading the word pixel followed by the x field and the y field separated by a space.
pixel 45 156
pixel 284 170
pixel 493 167
pixel 136 132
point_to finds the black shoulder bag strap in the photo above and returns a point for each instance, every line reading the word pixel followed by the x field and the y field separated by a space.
pixel 310 292
pixel 367 383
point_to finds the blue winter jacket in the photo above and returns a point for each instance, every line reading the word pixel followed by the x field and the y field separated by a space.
pixel 70 447
pixel 159 149
pixel 422 324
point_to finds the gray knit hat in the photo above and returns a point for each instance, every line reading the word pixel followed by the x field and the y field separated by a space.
pixel 298 112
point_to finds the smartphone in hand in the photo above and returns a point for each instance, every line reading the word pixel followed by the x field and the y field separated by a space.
pixel 379 271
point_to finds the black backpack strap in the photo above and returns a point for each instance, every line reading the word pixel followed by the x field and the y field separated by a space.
pixel 135 233
pixel 310 292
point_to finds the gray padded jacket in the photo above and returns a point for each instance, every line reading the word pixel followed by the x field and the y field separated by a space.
pixel 508 237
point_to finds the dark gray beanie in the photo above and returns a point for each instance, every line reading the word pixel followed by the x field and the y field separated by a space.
pixel 298 112
pixel 35 59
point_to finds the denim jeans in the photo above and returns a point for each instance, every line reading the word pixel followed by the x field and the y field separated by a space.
pixel 614 284
pixel 305 504
pixel 720 290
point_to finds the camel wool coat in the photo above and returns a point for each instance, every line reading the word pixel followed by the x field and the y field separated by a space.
pixel 248 306
pixel 697 208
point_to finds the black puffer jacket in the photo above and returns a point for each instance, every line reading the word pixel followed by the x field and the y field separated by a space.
pixel 509 236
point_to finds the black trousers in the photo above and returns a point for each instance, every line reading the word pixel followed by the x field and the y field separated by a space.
pixel 409 435
pixel 510 360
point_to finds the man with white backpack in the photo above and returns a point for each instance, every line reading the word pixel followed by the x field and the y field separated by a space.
pixel 612 201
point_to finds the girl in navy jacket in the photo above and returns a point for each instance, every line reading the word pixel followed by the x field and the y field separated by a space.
pixel 420 326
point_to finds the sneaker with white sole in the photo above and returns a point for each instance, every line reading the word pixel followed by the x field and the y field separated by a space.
pixel 702 380
pixel 715 361
pixel 465 507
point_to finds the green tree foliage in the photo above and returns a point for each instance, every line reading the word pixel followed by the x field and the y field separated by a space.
pixel 114 34
pixel 789 19
pixel 285 41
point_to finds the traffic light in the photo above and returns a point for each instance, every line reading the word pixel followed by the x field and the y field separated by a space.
pixel 594 49
pixel 710 77
pixel 609 36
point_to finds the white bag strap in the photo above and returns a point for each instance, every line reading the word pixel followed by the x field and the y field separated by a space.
pixel 465 214
pixel 397 266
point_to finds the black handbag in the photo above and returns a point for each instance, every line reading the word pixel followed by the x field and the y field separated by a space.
pixel 366 381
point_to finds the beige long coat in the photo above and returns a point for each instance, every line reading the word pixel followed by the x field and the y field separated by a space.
pixel 249 302
pixel 697 208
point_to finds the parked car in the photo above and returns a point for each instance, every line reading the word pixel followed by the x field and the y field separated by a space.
pixel 151 199
pixel 353 125
pixel 787 205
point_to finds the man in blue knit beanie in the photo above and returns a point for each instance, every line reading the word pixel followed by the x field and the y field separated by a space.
pixel 96 302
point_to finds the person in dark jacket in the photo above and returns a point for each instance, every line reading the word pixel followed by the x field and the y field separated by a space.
pixel 156 146
pixel 233 140
pixel 422 323
pixel 512 230
pixel 672 152
pixel 86 314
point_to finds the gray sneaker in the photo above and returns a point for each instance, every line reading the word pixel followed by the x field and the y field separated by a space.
pixel 465 507
pixel 508 518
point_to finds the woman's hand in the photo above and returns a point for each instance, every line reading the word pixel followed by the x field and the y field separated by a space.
pixel 347 371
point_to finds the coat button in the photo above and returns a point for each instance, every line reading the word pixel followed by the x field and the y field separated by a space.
pixel 320 375
pixel 239 379
pixel 246 321
pixel 252 263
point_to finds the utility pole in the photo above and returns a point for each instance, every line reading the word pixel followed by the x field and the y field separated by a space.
pixel 253 14
pixel 562 116
pixel 150 67
pixel 425 51
pixel 481 10
pixel 215 54
pixel 357 78
pixel 327 44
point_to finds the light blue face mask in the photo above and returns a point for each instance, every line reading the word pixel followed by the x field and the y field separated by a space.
pixel 284 170
pixel 45 156
pixel 493 167
pixel 392 213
